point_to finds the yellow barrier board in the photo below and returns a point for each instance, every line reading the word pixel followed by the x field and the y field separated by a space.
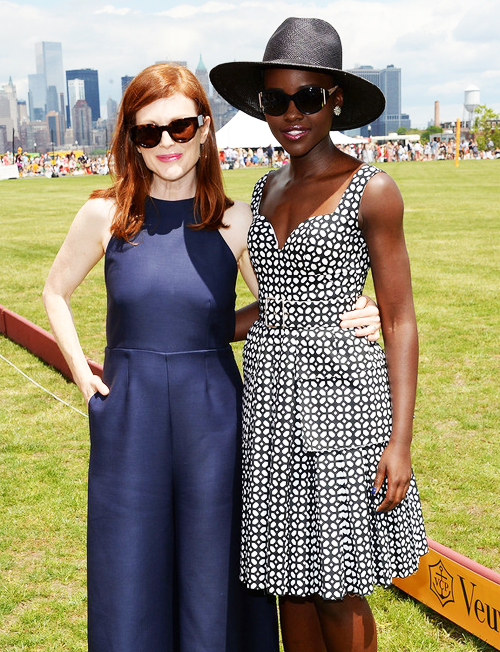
pixel 459 589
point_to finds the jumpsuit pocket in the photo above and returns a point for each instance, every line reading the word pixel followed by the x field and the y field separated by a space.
pixel 91 399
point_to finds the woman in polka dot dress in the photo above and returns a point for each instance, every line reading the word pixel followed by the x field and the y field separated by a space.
pixel 331 507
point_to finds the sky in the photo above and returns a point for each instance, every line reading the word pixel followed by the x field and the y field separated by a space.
pixel 441 46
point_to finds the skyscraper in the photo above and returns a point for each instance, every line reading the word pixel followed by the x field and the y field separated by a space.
pixel 11 94
pixel 112 107
pixel 81 119
pixel 126 79
pixel 52 99
pixel 76 91
pixel 202 75
pixel 37 96
pixel 49 63
pixel 389 81
pixel 5 116
pixel 91 84
pixel 55 128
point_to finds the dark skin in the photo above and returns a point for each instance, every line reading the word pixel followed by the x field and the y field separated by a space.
pixel 313 184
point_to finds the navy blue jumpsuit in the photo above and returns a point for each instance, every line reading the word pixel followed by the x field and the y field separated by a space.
pixel 164 477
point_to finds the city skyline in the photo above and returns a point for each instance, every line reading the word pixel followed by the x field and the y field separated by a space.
pixel 441 49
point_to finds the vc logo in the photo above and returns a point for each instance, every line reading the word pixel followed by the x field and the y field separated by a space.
pixel 441 583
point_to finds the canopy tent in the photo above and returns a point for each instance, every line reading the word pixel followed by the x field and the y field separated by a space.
pixel 244 131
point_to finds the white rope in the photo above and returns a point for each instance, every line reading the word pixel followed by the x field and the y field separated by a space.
pixel 43 388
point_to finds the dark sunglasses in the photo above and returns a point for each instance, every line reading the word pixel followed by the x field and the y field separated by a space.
pixel 181 131
pixel 308 100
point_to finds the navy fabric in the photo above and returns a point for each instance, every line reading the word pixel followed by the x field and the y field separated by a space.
pixel 164 476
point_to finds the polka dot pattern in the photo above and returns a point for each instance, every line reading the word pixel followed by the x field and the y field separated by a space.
pixel 316 419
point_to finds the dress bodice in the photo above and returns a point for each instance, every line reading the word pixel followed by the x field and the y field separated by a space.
pixel 324 258
pixel 172 288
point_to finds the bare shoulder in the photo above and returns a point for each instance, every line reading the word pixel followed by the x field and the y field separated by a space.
pixel 98 212
pixel 92 224
pixel 381 187
pixel 237 219
pixel 239 214
pixel 381 199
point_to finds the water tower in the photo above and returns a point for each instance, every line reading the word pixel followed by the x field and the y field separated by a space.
pixel 471 102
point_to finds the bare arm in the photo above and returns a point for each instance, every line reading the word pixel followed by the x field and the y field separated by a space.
pixel 239 218
pixel 245 317
pixel 381 219
pixel 83 247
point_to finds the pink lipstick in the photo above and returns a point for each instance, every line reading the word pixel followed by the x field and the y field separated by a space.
pixel 295 132
pixel 169 158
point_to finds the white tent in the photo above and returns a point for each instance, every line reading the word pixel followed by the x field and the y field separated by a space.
pixel 244 131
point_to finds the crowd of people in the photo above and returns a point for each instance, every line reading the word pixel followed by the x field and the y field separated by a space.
pixel 61 165
pixel 433 150
pixel 56 164
pixel 233 159
pixel 366 151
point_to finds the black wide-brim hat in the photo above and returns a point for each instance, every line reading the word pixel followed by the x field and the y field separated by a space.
pixel 306 44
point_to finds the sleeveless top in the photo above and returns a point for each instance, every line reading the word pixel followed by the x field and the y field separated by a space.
pixel 296 351
pixel 172 288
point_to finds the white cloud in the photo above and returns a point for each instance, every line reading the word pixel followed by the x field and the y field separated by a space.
pixel 187 11
pixel 181 11
pixel 109 9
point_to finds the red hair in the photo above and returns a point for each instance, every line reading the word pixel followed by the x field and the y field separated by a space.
pixel 132 179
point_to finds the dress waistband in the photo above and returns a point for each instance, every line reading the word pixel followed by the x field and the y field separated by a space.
pixel 133 350
pixel 277 312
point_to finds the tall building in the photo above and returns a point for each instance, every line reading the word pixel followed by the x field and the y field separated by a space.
pixel 389 81
pixel 49 63
pixel 37 96
pixel 222 111
pixel 91 83
pixel 81 119
pixel 5 116
pixel 55 127
pixel 11 95
pixel 112 108
pixel 201 74
pixel 52 99
pixel 22 111
pixel 76 91
pixel 125 82
pixel 4 146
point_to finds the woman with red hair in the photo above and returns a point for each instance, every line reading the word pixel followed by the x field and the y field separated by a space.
pixel 164 475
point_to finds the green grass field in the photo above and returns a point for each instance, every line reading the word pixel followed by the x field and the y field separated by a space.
pixel 453 235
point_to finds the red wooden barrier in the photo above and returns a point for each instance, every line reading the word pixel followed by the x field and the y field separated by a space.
pixel 38 341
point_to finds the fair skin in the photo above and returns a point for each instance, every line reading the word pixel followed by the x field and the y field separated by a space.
pixel 174 178
pixel 313 184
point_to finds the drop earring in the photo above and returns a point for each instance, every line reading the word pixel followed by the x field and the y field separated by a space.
pixel 337 110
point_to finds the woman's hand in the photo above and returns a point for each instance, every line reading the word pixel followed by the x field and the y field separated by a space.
pixel 93 386
pixel 365 318
pixel 395 466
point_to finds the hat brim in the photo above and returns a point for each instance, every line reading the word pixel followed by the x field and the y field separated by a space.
pixel 240 82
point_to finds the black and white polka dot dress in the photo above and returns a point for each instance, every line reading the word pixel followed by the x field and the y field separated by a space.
pixel 316 419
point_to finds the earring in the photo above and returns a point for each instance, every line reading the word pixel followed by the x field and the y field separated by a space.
pixel 337 110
